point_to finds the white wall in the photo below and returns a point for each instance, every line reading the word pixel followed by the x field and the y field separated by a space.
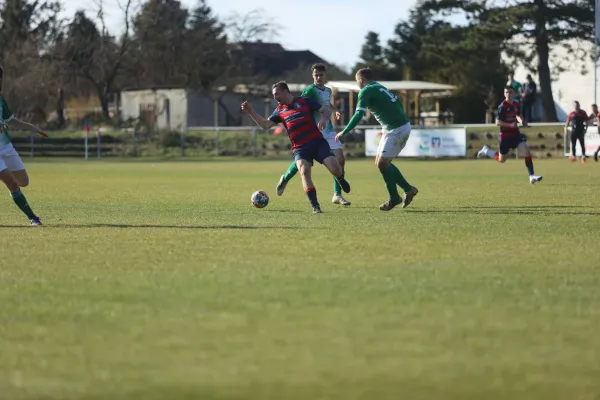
pixel 570 85
pixel 131 101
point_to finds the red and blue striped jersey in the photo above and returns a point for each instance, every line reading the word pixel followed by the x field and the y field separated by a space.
pixel 297 118
pixel 578 121
pixel 507 112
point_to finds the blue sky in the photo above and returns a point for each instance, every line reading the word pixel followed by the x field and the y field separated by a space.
pixel 332 29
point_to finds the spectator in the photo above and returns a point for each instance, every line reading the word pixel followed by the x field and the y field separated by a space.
pixel 529 93
pixel 516 87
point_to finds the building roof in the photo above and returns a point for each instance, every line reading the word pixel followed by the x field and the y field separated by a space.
pixel 346 86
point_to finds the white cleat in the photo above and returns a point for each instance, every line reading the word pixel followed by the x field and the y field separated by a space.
pixel 281 186
pixel 534 179
pixel 483 152
pixel 338 199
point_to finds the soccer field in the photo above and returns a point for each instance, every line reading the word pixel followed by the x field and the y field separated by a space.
pixel 161 281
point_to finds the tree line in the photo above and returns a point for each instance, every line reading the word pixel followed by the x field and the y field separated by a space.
pixel 163 43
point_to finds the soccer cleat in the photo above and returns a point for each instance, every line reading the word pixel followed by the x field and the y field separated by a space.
pixel 388 205
pixel 281 186
pixel 409 196
pixel 344 184
pixel 573 159
pixel 534 179
pixel 35 221
pixel 483 152
pixel 584 159
pixel 317 210
pixel 338 199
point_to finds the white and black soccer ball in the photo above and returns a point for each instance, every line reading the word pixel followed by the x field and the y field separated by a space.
pixel 259 199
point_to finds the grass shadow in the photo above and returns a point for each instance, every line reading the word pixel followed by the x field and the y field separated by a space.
pixel 508 211
pixel 149 226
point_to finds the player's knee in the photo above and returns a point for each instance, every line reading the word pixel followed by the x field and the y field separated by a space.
pixel 383 164
pixel 9 181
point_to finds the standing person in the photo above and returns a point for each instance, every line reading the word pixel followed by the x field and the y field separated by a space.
pixel 578 119
pixel 389 112
pixel 12 170
pixel 308 144
pixel 510 136
pixel 595 115
pixel 516 87
pixel 528 99
pixel 323 95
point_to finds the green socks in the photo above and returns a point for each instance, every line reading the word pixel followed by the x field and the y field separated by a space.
pixel 20 200
pixel 337 188
pixel 390 184
pixel 398 178
pixel 292 170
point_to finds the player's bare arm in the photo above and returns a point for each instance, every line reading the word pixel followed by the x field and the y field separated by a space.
pixel 337 113
pixel 257 118
pixel 16 123
pixel 521 121
pixel 325 116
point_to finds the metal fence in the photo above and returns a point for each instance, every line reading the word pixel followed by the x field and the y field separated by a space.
pixel 194 141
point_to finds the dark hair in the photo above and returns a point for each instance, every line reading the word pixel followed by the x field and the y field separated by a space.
pixel 366 73
pixel 508 87
pixel 281 85
pixel 595 105
pixel 318 67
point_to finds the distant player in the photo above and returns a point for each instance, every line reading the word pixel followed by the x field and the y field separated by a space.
pixel 510 137
pixel 389 112
pixel 595 115
pixel 12 170
pixel 308 144
pixel 322 94
pixel 578 119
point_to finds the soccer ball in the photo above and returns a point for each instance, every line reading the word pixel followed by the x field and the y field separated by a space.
pixel 259 199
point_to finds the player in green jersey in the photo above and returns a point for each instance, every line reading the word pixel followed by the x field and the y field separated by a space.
pixel 323 95
pixel 12 170
pixel 389 112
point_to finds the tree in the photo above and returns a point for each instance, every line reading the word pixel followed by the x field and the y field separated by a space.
pixel 159 32
pixel 372 55
pixel 205 48
pixel 27 31
pixel 94 54
pixel 528 29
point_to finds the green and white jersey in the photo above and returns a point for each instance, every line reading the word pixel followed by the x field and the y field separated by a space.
pixel 5 116
pixel 323 97
pixel 385 106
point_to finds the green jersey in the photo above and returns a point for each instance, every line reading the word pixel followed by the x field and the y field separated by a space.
pixel 321 96
pixel 5 116
pixel 385 106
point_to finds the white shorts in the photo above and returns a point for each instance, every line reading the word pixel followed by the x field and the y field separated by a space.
pixel 330 137
pixel 392 142
pixel 10 159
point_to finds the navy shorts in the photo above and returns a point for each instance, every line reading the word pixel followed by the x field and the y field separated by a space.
pixel 317 150
pixel 511 142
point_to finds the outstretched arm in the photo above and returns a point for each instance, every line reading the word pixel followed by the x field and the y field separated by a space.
pixel 26 126
pixel 257 118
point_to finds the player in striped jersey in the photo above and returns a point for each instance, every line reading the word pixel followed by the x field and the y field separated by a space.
pixel 323 95
pixel 308 144
pixel 509 117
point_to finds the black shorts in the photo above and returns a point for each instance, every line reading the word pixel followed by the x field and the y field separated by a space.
pixel 577 135
pixel 317 150
pixel 511 142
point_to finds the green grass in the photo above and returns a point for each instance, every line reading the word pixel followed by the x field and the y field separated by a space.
pixel 158 280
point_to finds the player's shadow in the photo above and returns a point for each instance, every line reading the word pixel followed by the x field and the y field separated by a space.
pixel 511 210
pixel 149 226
